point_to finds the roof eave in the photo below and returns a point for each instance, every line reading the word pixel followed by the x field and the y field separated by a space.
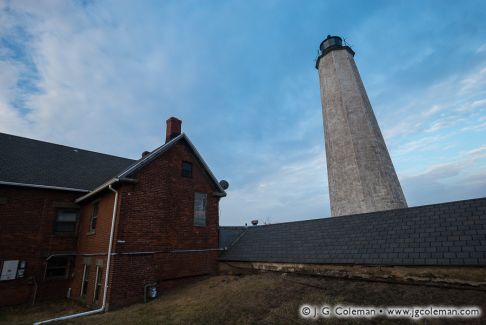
pixel 221 191
pixel 96 190
pixel 142 162
pixel 49 187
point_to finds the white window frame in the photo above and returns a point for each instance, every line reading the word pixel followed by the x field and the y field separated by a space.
pixel 200 215
pixel 83 280
pixel 98 275
pixel 94 206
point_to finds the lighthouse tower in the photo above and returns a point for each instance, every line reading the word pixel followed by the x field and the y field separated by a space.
pixel 360 172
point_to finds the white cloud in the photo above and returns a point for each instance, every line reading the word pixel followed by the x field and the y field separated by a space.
pixel 473 81
pixel 458 179
pixel 420 145
pixel 477 153
pixel 294 190
pixel 97 81
pixel 458 93
pixel 481 49
pixel 479 103
pixel 106 79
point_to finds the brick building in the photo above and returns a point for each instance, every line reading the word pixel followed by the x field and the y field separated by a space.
pixel 63 209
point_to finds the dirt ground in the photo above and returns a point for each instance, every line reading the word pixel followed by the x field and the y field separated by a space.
pixel 264 298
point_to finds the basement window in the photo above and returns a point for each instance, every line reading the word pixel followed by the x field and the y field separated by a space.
pixel 200 202
pixel 85 281
pixel 58 267
pixel 66 222
pixel 186 169
pixel 94 217
pixel 97 291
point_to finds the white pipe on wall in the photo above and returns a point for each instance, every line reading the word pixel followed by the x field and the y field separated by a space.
pixel 108 261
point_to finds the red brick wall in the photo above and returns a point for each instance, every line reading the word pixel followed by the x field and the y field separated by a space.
pixel 90 243
pixel 92 262
pixel 96 242
pixel 157 214
pixel 27 217
pixel 154 214
pixel 133 272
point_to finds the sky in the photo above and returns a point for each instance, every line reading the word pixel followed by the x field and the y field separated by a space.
pixel 105 75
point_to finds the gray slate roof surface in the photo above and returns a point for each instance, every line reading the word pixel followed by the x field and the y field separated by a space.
pixel 228 235
pixel 451 233
pixel 29 161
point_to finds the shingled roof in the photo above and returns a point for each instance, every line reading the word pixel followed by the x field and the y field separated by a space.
pixel 229 235
pixel 33 162
pixel 451 233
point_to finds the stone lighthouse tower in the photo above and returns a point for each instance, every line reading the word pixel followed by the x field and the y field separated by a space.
pixel 360 172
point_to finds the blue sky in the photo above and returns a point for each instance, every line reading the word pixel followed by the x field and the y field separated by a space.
pixel 105 75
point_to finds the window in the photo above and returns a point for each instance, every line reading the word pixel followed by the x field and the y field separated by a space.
pixel 186 169
pixel 85 281
pixel 97 291
pixel 58 267
pixel 66 222
pixel 94 217
pixel 200 209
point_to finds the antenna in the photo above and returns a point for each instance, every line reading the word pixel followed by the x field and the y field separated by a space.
pixel 224 184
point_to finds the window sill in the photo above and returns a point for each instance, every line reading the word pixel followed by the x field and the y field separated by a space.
pixel 91 232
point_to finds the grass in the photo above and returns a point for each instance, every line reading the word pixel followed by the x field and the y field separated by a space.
pixel 264 298
pixel 28 314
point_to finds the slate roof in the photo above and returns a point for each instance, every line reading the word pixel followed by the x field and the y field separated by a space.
pixel 29 161
pixel 228 235
pixel 451 233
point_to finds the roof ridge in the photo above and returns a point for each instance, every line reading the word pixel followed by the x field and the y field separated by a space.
pixel 147 159
pixel 233 227
pixel 373 213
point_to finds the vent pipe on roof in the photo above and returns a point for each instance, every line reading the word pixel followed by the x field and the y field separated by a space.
pixel 173 128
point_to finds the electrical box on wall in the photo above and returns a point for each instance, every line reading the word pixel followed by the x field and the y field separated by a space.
pixel 21 269
pixel 12 269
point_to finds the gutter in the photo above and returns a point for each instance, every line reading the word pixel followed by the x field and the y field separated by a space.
pixel 107 273
pixel 44 186
pixel 105 185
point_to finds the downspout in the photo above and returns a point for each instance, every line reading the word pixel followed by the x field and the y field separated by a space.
pixel 108 261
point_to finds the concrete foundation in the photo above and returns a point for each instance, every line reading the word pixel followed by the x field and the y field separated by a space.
pixel 360 172
pixel 463 277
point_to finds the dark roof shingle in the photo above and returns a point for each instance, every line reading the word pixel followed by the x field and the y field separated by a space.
pixel 229 235
pixel 29 161
pixel 451 233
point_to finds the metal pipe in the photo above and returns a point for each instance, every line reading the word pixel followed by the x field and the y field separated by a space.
pixel 170 251
pixel 75 254
pixel 44 186
pixel 196 250
pixel 137 252
pixel 110 245
pixel 36 286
